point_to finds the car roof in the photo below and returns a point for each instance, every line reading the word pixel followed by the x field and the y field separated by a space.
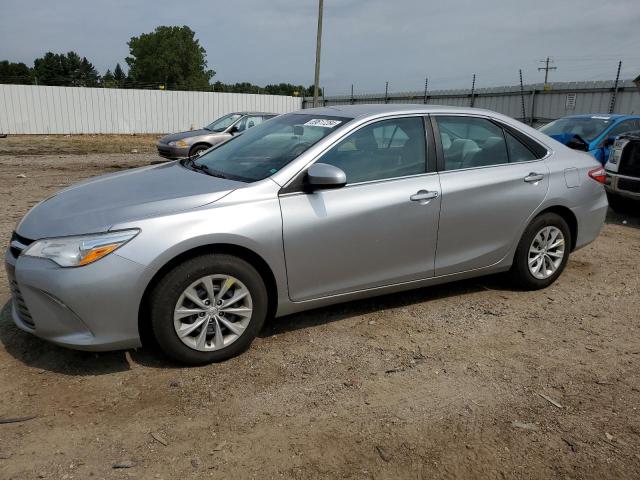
pixel 608 116
pixel 254 113
pixel 366 110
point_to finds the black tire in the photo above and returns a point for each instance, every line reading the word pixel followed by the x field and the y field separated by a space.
pixel 195 150
pixel 620 204
pixel 520 269
pixel 165 295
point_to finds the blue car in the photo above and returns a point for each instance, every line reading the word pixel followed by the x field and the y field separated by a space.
pixel 592 133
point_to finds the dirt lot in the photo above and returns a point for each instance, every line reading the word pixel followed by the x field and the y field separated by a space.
pixel 468 380
pixel 76 144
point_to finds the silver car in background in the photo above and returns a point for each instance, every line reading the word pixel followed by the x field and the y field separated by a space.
pixel 309 209
pixel 192 142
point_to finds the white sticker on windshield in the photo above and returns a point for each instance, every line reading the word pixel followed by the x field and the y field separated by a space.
pixel 322 122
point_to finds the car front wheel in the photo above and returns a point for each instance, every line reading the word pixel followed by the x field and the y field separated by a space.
pixel 542 253
pixel 208 309
pixel 198 149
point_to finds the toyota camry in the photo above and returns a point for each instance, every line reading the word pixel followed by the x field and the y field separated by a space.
pixel 308 209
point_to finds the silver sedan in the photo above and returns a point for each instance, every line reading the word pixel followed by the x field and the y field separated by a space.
pixel 309 209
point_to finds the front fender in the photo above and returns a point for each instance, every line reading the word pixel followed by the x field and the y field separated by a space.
pixel 255 226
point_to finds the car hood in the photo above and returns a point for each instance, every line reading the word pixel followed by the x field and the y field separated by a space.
pixel 190 133
pixel 97 204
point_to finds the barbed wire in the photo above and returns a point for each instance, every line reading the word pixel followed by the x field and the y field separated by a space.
pixel 580 66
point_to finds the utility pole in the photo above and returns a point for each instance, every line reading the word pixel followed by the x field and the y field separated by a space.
pixel 426 86
pixel 316 80
pixel 352 99
pixel 615 89
pixel 386 92
pixel 546 69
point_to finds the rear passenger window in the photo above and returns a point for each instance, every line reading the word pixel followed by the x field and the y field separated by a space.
pixel 518 152
pixel 469 142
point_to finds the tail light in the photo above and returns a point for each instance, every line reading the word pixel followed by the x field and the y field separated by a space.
pixel 599 175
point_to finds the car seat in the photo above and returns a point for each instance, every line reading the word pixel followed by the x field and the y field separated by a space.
pixel 458 152
pixel 493 152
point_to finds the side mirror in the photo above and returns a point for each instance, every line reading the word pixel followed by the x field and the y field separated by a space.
pixel 324 176
pixel 234 129
pixel 577 143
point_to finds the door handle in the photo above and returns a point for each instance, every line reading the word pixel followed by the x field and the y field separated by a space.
pixel 533 177
pixel 422 195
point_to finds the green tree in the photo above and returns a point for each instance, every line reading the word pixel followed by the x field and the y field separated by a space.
pixel 16 73
pixel 50 69
pixel 276 89
pixel 65 70
pixel 119 76
pixel 108 80
pixel 169 56
pixel 86 75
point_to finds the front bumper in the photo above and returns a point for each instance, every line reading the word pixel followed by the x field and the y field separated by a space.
pixel 94 307
pixel 623 185
pixel 172 153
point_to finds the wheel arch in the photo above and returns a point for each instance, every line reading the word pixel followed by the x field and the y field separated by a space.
pixel 199 144
pixel 244 253
pixel 568 217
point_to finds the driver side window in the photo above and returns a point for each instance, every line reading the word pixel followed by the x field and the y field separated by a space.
pixel 386 149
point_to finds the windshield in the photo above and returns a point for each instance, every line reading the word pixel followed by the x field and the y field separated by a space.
pixel 264 149
pixel 588 128
pixel 221 124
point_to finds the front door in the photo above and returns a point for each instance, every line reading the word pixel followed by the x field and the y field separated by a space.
pixel 379 229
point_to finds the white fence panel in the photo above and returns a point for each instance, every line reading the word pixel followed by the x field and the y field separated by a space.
pixel 30 109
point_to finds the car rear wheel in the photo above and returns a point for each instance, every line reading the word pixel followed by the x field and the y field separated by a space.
pixel 208 309
pixel 542 253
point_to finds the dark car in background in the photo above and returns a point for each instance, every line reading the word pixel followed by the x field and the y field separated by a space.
pixel 592 133
pixel 623 173
pixel 192 142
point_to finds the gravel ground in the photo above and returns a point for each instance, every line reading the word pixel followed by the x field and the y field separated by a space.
pixel 466 380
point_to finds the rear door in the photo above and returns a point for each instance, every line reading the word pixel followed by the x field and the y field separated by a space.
pixel 491 184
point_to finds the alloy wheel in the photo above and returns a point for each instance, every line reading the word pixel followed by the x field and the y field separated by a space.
pixel 212 312
pixel 546 252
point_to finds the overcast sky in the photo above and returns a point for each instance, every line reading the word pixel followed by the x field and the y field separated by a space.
pixel 365 42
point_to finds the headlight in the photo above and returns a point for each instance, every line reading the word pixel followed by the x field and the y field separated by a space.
pixel 178 143
pixel 81 250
